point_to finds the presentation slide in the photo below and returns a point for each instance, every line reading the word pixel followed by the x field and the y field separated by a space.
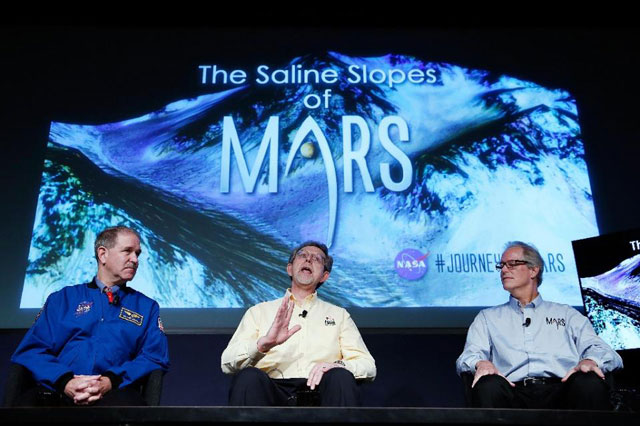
pixel 609 270
pixel 414 173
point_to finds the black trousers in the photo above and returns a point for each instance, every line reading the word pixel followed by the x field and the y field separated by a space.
pixel 582 391
pixel 39 396
pixel 253 387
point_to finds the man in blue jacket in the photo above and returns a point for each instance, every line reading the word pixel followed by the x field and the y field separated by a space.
pixel 91 341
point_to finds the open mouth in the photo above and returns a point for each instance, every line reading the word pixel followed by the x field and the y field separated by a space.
pixel 306 269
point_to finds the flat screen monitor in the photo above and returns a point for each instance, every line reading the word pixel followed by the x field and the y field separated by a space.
pixel 414 173
pixel 609 271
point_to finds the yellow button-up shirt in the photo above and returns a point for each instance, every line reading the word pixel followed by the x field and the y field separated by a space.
pixel 328 334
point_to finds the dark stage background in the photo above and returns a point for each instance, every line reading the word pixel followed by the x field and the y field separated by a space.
pixel 414 370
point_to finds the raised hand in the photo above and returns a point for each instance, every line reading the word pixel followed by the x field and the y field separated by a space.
pixel 279 332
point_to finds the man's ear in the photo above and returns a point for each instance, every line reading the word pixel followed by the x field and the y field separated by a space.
pixel 535 271
pixel 325 276
pixel 290 269
pixel 102 254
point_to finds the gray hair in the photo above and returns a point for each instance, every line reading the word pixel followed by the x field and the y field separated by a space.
pixel 107 238
pixel 531 254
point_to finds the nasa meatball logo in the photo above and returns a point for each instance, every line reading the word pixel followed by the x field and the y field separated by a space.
pixel 411 264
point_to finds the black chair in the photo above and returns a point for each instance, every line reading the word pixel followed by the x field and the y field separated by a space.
pixel 20 379
pixel 151 388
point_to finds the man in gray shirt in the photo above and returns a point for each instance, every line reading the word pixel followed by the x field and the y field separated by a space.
pixel 531 353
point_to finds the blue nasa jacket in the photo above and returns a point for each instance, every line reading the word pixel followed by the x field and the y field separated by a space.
pixel 79 332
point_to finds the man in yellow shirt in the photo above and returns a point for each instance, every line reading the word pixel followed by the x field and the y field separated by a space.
pixel 285 348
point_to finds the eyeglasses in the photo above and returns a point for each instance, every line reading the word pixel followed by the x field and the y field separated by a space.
pixel 314 258
pixel 510 264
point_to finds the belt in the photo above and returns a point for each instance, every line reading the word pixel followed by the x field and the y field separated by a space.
pixel 530 381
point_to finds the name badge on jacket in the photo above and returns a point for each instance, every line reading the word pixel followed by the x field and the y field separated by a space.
pixel 129 315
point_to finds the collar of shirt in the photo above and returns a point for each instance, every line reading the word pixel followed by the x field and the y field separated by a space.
pixel 102 286
pixel 515 304
pixel 308 301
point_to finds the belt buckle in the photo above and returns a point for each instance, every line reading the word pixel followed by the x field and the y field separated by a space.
pixel 528 381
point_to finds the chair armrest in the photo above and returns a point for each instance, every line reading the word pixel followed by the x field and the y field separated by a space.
pixel 152 389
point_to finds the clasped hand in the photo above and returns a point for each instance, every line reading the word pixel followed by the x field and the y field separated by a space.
pixel 85 390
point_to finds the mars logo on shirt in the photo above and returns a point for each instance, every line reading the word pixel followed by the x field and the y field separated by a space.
pixel 329 321
pixel 557 321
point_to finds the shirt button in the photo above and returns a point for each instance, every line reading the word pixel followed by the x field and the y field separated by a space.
pixel 101 319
